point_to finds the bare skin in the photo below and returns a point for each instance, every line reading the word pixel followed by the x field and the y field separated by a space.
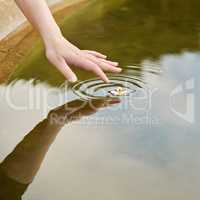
pixel 59 51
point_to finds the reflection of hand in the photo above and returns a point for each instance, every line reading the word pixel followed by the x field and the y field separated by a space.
pixel 77 109
pixel 25 160
pixel 62 53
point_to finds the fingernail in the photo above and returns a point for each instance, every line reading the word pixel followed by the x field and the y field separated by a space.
pixel 119 69
pixel 73 79
pixel 107 80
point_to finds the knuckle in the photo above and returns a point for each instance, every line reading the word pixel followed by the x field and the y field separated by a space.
pixel 49 54
pixel 53 57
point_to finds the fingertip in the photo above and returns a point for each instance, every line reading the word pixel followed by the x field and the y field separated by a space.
pixel 119 69
pixel 116 64
pixel 106 80
pixel 114 69
pixel 100 73
pixel 101 55
pixel 72 79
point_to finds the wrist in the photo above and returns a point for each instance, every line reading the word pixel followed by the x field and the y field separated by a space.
pixel 52 37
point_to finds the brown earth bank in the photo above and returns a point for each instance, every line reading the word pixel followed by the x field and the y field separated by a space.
pixel 16 45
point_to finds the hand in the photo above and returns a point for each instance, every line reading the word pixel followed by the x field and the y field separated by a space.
pixel 62 54
pixel 76 109
pixel 59 51
pixel 36 143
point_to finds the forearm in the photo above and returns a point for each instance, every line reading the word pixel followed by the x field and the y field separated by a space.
pixel 59 51
pixel 39 15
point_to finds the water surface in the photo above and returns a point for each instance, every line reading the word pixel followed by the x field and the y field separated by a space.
pixel 146 146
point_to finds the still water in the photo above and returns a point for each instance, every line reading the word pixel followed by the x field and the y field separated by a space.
pixel 61 141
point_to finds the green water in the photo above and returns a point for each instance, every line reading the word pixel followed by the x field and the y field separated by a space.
pixel 143 146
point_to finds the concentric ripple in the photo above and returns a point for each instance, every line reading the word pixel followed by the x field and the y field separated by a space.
pixel 130 80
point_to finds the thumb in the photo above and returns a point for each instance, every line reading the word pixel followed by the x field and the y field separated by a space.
pixel 64 68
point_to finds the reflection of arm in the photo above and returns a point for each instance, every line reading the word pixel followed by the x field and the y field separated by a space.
pixel 20 167
pixel 10 189
pixel 23 163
